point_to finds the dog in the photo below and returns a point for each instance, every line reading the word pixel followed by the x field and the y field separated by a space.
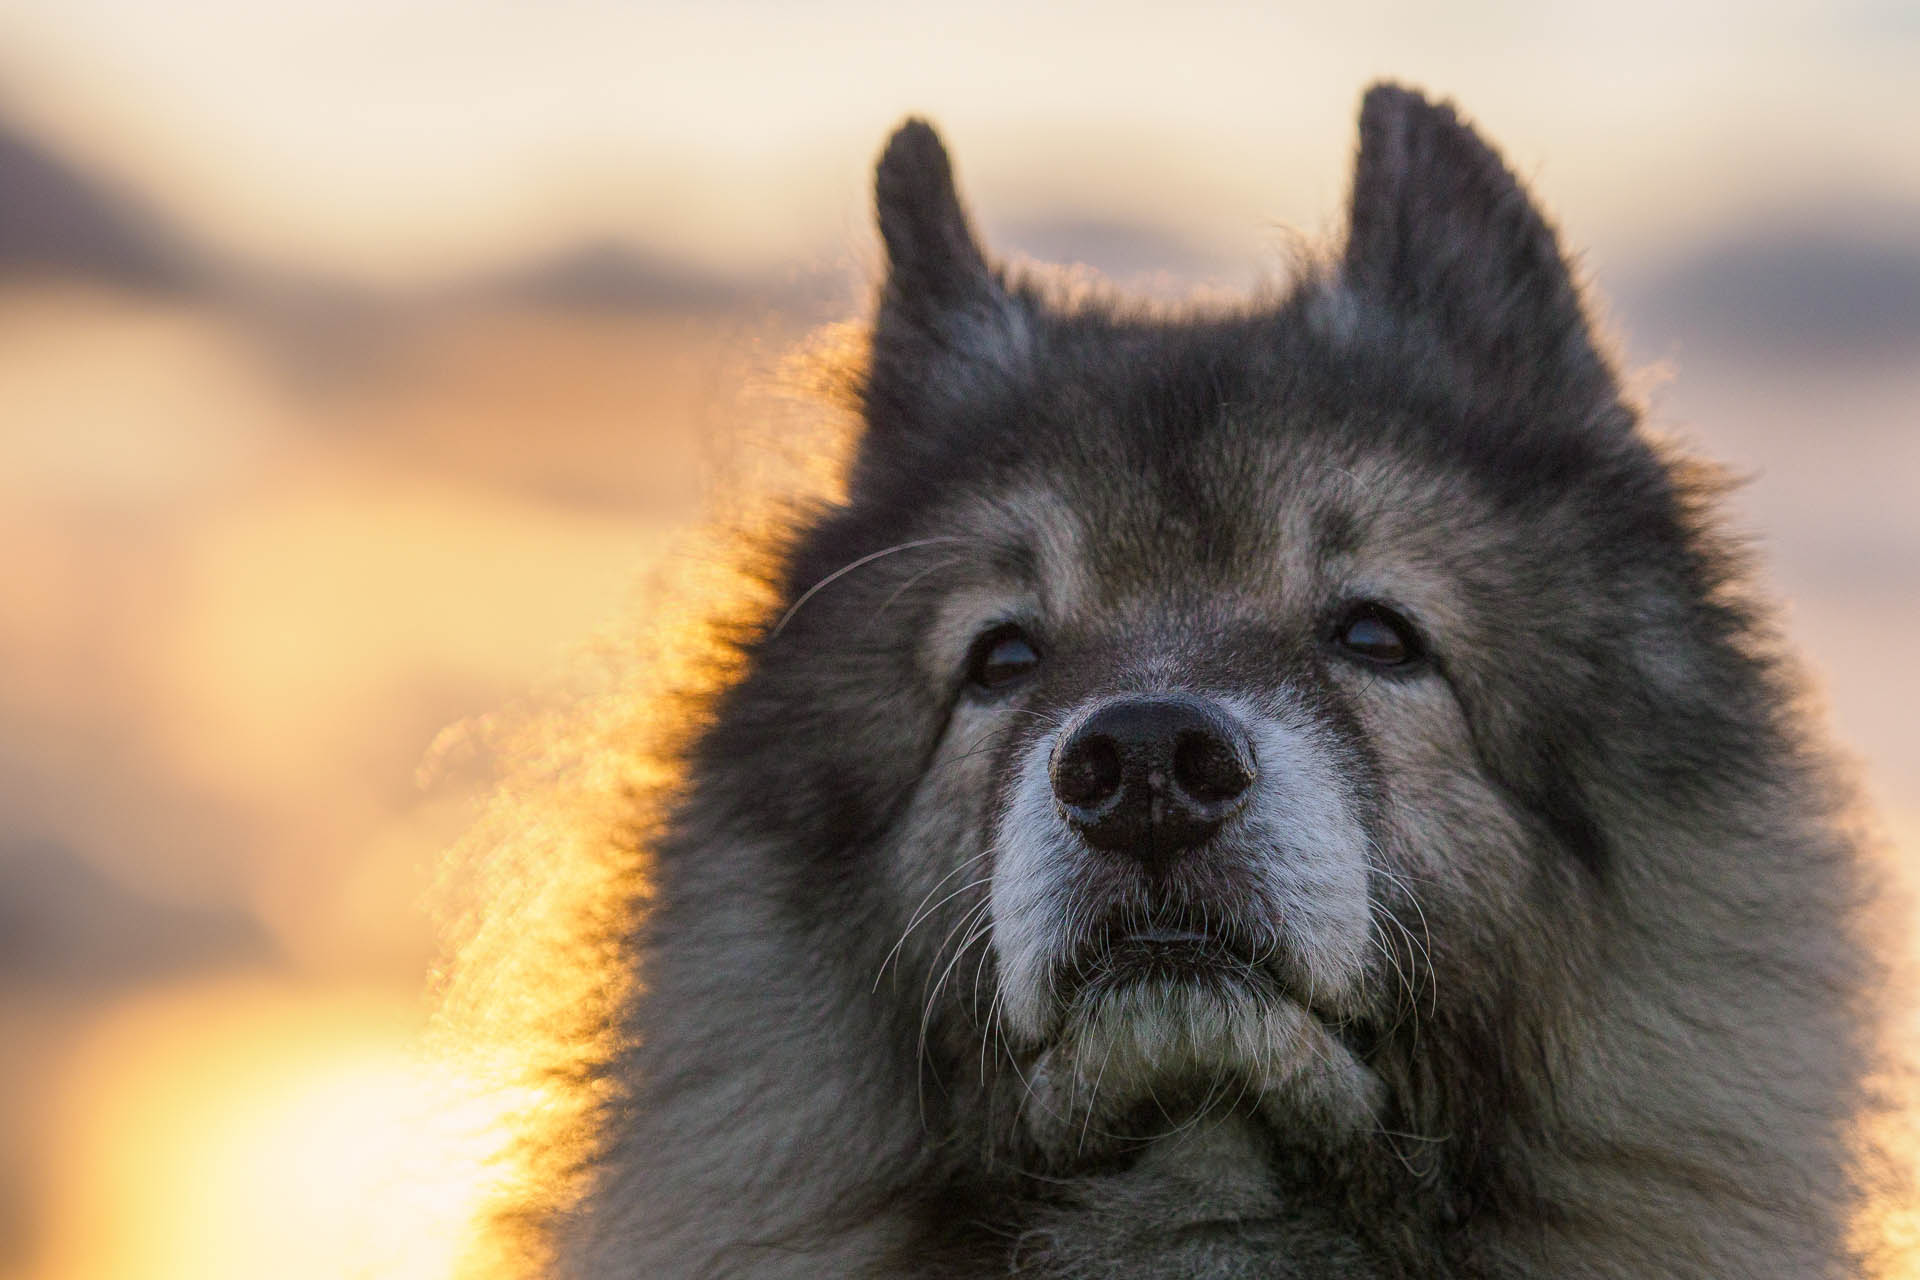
pixel 1303 790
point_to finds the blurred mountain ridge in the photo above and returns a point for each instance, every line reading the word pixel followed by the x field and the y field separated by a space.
pixel 62 921
pixel 1834 285
pixel 58 221
pixel 1835 281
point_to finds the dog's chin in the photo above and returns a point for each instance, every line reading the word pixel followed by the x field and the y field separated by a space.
pixel 1161 1039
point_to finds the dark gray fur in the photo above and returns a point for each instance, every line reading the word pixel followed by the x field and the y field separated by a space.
pixel 1615 1011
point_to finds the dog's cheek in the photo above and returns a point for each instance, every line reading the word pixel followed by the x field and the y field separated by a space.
pixel 1033 863
pixel 832 745
pixel 1455 859
pixel 938 861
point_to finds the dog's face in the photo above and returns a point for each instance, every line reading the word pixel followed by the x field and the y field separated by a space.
pixel 1194 755
pixel 1211 779
pixel 1231 699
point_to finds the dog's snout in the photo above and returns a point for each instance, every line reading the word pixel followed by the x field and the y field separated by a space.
pixel 1150 777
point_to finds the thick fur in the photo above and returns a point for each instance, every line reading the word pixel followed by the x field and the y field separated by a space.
pixel 1558 974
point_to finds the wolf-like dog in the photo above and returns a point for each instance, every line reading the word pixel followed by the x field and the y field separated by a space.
pixel 1301 790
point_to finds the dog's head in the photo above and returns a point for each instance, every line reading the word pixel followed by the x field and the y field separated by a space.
pixel 1241 708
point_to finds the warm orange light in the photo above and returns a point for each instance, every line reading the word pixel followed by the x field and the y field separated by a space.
pixel 242 1130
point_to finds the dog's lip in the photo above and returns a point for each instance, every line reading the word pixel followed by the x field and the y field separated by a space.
pixel 1179 945
pixel 1170 937
pixel 1187 948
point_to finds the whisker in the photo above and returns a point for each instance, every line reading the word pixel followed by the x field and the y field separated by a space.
pixel 1093 1098
pixel 924 913
pixel 907 586
pixel 845 569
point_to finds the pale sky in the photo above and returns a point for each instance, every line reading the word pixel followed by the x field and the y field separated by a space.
pixel 414 138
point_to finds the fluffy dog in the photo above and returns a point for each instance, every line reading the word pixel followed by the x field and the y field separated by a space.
pixel 1295 791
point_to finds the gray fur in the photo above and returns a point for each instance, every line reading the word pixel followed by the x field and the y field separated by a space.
pixel 1559 973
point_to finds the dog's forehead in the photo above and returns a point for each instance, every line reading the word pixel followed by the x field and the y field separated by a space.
pixel 1259 514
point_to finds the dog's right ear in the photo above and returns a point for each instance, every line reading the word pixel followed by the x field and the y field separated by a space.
pixel 947 330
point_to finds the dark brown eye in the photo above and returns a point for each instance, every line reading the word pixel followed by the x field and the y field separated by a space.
pixel 1001 658
pixel 1376 634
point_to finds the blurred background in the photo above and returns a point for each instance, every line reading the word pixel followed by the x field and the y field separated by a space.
pixel 361 359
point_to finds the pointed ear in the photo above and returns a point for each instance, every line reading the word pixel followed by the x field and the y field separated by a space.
pixel 1443 233
pixel 946 325
pixel 933 264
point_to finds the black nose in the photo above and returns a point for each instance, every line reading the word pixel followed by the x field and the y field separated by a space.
pixel 1153 776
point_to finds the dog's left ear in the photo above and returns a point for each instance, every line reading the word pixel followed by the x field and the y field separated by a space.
pixel 1444 234
pixel 947 329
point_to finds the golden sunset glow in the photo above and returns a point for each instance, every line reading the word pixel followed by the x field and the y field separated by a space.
pixel 212 1129
pixel 392 395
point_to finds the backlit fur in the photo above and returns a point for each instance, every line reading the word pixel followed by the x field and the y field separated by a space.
pixel 1551 963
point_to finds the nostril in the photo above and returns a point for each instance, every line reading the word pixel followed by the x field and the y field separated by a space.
pixel 1207 768
pixel 1088 773
pixel 1152 776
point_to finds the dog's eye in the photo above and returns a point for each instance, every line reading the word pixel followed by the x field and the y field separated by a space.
pixel 1376 634
pixel 1001 658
